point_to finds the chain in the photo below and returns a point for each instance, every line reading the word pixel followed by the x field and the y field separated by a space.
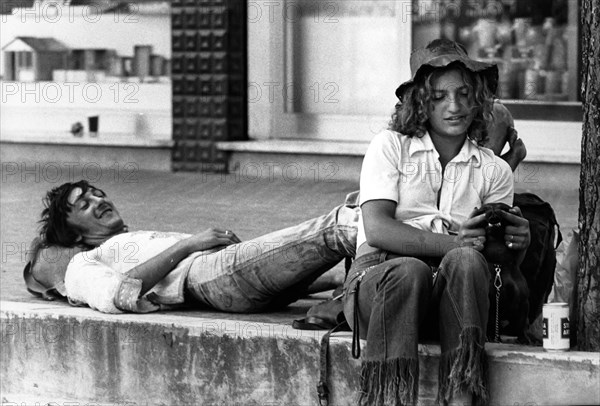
pixel 497 285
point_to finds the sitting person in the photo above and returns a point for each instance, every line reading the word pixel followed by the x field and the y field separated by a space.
pixel 419 271
pixel 114 269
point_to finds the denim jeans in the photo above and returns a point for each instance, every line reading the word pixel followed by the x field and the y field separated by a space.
pixel 273 270
pixel 399 303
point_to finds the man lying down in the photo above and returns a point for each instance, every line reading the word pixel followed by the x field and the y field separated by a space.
pixel 116 269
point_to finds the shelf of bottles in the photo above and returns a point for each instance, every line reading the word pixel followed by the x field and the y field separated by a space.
pixel 209 76
pixel 535 45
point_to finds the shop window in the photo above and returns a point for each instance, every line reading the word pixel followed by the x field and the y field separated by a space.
pixel 534 42
pixel 338 62
pixel 343 53
pixel 341 60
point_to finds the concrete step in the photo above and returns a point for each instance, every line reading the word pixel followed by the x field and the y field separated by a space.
pixel 52 352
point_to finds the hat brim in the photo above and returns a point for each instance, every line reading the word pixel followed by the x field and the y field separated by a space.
pixel 489 70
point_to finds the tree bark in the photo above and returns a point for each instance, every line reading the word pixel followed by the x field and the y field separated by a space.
pixel 588 287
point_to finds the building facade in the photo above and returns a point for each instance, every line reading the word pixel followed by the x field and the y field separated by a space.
pixel 320 74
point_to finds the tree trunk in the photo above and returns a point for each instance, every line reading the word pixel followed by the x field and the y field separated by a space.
pixel 588 287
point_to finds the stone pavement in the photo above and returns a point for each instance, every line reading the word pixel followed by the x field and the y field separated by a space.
pixel 251 204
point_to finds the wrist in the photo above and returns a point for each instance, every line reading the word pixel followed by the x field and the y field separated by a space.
pixel 451 243
pixel 186 246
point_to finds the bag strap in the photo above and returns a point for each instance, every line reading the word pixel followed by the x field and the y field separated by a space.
pixel 322 387
pixel 355 331
pixel 347 265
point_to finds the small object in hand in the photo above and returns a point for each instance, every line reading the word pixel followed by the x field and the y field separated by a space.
pixel 77 129
pixel 495 249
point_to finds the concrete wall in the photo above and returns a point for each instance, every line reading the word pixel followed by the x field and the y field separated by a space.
pixel 47 161
pixel 55 352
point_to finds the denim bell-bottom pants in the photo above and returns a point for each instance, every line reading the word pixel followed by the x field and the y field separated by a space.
pixel 400 302
pixel 273 270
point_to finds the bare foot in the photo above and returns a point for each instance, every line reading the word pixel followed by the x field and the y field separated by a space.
pixel 498 129
pixel 328 281
pixel 517 151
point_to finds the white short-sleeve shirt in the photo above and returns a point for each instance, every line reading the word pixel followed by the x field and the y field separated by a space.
pixel 407 171
pixel 98 278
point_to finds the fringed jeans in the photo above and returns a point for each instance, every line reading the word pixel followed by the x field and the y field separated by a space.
pixel 399 302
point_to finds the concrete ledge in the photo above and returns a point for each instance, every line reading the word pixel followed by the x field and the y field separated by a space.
pixel 102 139
pixel 358 149
pixel 120 153
pixel 327 161
pixel 53 352
pixel 296 147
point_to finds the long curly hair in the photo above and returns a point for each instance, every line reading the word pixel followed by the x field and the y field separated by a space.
pixel 54 229
pixel 410 116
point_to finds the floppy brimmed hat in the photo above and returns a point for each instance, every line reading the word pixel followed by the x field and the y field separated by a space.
pixel 441 53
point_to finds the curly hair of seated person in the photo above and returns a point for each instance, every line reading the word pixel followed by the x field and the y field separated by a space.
pixel 410 115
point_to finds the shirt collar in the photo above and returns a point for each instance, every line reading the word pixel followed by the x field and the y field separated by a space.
pixel 420 144
pixel 468 150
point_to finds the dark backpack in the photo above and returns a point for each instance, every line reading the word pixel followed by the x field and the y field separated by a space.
pixel 526 288
pixel 540 260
